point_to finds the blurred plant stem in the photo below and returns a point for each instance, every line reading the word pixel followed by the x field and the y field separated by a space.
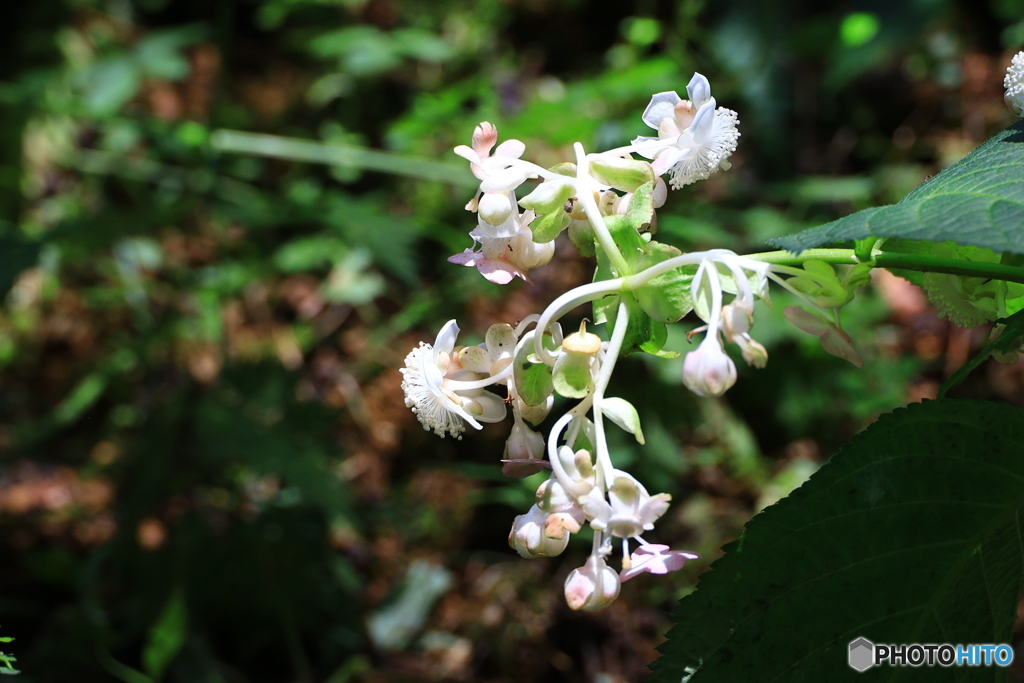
pixel 350 156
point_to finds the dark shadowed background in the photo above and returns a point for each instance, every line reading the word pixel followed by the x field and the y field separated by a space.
pixel 224 223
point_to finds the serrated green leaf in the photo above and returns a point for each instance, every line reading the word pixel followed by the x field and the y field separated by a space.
pixel 977 201
pixel 621 412
pixel 533 380
pixel 911 534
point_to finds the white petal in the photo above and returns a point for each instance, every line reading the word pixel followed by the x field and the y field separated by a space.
pixel 698 89
pixel 662 106
pixel 493 407
pixel 467 154
pixel 703 123
pixel 510 148
pixel 500 341
pixel 648 147
pixel 445 341
pixel 505 180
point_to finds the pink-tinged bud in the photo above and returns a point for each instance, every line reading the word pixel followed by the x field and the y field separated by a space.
pixel 539 534
pixel 593 586
pixel 535 414
pixel 524 452
pixel 708 370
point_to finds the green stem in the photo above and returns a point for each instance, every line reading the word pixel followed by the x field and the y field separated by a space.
pixel 585 193
pixel 788 258
pixel 892 260
pixel 988 271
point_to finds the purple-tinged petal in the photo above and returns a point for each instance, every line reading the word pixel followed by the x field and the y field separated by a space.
pixel 656 559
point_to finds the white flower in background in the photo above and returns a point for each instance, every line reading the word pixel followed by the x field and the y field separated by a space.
pixel 656 559
pixel 1014 84
pixel 691 145
pixel 431 382
pixel 593 586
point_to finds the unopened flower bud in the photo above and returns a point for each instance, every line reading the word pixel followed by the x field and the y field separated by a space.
pixel 708 370
pixel 495 207
pixel 624 173
pixel 593 586
pixel 524 452
pixel 538 534
pixel 754 353
pixel 573 374
pixel 524 253
pixel 549 196
pixel 535 414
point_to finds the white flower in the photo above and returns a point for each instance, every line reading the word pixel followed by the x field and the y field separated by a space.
pixel 593 586
pixel 628 511
pixel 708 370
pixel 431 382
pixel 691 146
pixel 1014 84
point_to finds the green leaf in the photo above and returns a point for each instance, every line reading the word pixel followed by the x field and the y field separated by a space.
pixel 911 534
pixel 581 234
pixel 977 201
pixel 549 226
pixel 644 333
pixel 532 378
pixel 666 297
pixel 621 412
pixel 166 637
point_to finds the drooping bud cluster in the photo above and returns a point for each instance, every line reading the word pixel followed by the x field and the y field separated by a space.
pixel 708 370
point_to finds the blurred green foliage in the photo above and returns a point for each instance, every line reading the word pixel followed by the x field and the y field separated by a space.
pixel 207 472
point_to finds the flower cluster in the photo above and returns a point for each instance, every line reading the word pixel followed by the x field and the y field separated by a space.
pixel 606 203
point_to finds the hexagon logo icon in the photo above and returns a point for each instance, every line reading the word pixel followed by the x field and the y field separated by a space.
pixel 862 654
